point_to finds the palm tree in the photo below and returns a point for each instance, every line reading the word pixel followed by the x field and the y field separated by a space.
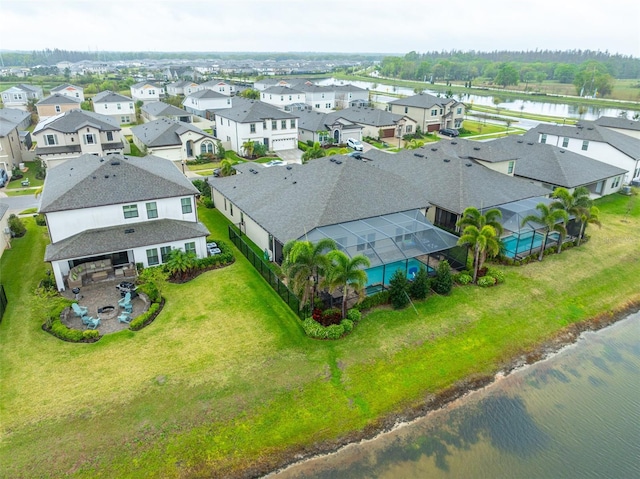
pixel 226 168
pixel 247 147
pixel 473 217
pixel 485 243
pixel 551 220
pixel 415 144
pixel 180 262
pixel 572 203
pixel 304 263
pixel 316 151
pixel 588 215
pixel 347 273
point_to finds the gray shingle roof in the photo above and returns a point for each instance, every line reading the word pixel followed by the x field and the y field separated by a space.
pixel 108 96
pixel 488 151
pixel 71 121
pixel 281 90
pixel 615 122
pixel 64 86
pixel 422 100
pixel 89 181
pixel 6 127
pixel 207 94
pixel 165 132
pixel 59 99
pixel 13 115
pixel 249 111
pixel 290 202
pixel 143 83
pixel 588 130
pixel 114 239
pixel 454 183
pixel 556 166
pixel 3 209
pixel 181 84
pixel 159 108
pixel 367 116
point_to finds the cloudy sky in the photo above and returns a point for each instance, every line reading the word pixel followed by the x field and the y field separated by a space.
pixel 383 26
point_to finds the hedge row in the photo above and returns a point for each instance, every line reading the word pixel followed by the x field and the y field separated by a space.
pixel 145 318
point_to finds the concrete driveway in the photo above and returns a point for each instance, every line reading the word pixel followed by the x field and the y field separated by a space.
pixel 290 156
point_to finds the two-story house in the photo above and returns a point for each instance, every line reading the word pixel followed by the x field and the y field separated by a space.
pixel 11 148
pixel 119 107
pixel 74 133
pixel 320 98
pixel 18 96
pixel 430 112
pixel 116 212
pixel 253 120
pixel 173 140
pixel 265 83
pixel 158 109
pixel 199 102
pixel 184 87
pixel 282 96
pixel 347 95
pixel 72 91
pixel 219 86
pixel 593 141
pixel 146 92
pixel 621 125
pixel 55 104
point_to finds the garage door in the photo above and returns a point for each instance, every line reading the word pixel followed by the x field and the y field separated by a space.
pixel 283 144
pixel 388 133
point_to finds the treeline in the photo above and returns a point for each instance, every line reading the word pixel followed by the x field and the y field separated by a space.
pixel 51 57
pixel 531 66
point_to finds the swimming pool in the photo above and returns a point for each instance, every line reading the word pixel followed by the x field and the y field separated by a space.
pixel 382 274
pixel 524 245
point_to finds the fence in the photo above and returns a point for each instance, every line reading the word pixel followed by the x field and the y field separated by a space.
pixel 3 301
pixel 263 268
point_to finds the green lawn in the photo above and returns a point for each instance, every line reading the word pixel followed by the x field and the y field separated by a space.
pixel 225 378
pixel 30 174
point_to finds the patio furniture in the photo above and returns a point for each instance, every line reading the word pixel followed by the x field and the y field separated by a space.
pixel 124 301
pixel 100 275
pixel 80 311
pixel 124 318
pixel 25 182
pixel 93 323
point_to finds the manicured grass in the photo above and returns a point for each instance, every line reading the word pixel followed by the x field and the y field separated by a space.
pixel 30 174
pixel 225 378
pixel 513 114
pixel 481 128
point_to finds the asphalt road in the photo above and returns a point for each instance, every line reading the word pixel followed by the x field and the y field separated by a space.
pixel 19 203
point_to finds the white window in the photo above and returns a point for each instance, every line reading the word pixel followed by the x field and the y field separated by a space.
pixel 124 119
pixel 119 106
pixel 130 211
pixel 293 123
pixel 89 139
pixel 318 106
pixel 131 106
pixel 77 95
pixel 274 125
pixel 408 129
pixel 283 124
pixel 57 108
pixel 565 142
pixel 264 124
pixel 109 136
pixel 190 247
pixel 434 112
pixel 152 210
pixel 50 140
pixel 106 106
pixel 252 127
pixel 186 205
pixel 327 105
pixel 152 257
pixel 543 138
pixel 152 92
pixel 459 111
pixel 510 167
pixel 585 145
pixel 165 251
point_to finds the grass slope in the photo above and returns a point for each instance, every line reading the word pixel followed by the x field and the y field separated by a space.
pixel 225 379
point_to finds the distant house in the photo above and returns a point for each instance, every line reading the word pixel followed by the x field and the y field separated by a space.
pixel 157 109
pixel 253 120
pixel 18 96
pixel 219 86
pixel 430 112
pixel 265 83
pixel 21 118
pixel 11 147
pixel 55 104
pixel 597 142
pixel 379 123
pixel 72 91
pixel 146 92
pixel 199 102
pixel 110 213
pixel 621 125
pixel 119 107
pixel 320 127
pixel 320 98
pixel 172 140
pixel 350 95
pixel 183 87
pixel 282 96
pixel 74 133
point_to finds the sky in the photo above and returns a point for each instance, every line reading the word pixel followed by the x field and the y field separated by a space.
pixel 350 26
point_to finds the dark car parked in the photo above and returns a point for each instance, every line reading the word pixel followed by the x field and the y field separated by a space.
pixel 449 132
pixel 4 178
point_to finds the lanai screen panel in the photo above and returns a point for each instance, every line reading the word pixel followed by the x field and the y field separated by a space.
pixel 386 239
pixel 513 213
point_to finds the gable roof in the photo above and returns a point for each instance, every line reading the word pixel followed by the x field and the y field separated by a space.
pixel 66 86
pixel 71 121
pixel 281 90
pixel 556 166
pixel 25 88
pixel 59 99
pixel 159 108
pixel 422 100
pixel 206 94
pixel 181 84
pixel 90 181
pixel 588 130
pixel 291 202
pixel 165 132
pixel 244 110
pixel 615 122
pixel 142 84
pixel 108 96
pixel 368 116
pixel 14 115
pixel 454 183
pixel 6 127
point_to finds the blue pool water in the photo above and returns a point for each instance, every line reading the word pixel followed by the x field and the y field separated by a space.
pixel 524 244
pixel 382 274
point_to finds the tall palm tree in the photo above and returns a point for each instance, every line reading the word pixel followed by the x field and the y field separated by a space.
pixel 573 203
pixel 588 215
pixel 348 274
pixel 226 168
pixel 247 147
pixel 304 263
pixel 473 217
pixel 484 242
pixel 551 220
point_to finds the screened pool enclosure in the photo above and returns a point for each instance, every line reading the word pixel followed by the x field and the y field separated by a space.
pixel 403 240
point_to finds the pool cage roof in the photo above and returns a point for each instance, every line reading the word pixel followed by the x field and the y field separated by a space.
pixel 386 239
pixel 513 213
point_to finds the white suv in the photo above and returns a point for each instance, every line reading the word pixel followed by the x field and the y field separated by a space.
pixel 355 144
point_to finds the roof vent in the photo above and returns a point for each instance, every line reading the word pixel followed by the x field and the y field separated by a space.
pixel 289 167
pixel 467 164
pixel 338 162
pixel 101 160
pixel 295 182
pixel 561 151
pixel 434 149
pixel 333 160
pixel 115 163
pixel 94 177
pixel 529 142
pixel 419 155
pixel 477 148
pixel 129 231
pixel 254 172
pixel 590 128
pixel 446 160
pixel 251 170
pixel 106 176
pixel 520 141
pixel 454 142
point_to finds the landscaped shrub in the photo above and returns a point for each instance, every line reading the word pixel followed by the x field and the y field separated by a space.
pixel 208 203
pixel 16 225
pixel 354 315
pixel 150 289
pixel 314 329
pixel 419 287
pixel 463 278
pixel 61 331
pixel 347 324
pixel 443 282
pixel 398 286
pixel 203 186
pixel 374 300
pixel 486 281
pixel 331 316
pixel 335 331
pixel 139 322
pixel 497 274
pixel 40 220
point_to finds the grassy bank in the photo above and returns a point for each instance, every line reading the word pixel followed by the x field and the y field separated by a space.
pixel 224 379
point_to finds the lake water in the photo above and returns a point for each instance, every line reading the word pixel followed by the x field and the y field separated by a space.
pixel 537 107
pixel 575 415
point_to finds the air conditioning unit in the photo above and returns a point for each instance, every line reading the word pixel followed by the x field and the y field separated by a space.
pixel 7 231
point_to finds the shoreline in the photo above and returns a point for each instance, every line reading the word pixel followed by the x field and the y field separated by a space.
pixel 565 337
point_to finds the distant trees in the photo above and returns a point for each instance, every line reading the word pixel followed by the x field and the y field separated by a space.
pixel 593 79
pixel 507 75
